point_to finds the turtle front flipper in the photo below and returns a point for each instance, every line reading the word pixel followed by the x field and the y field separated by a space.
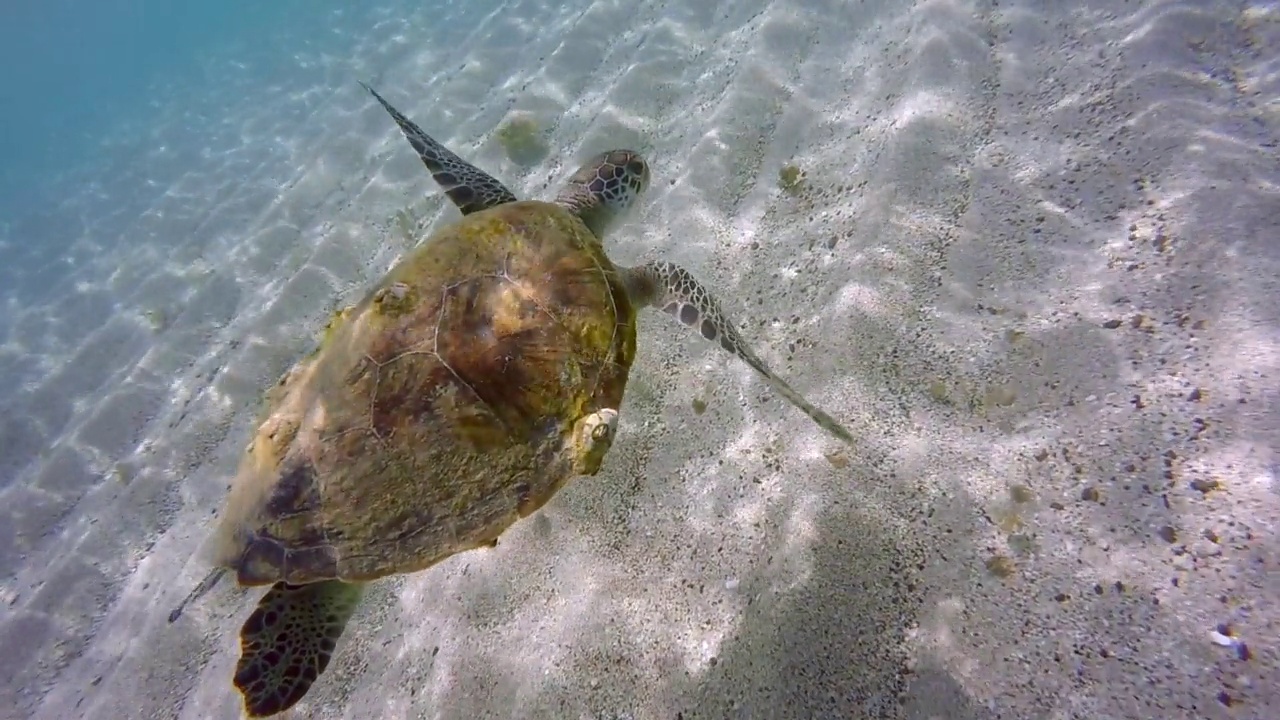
pixel 470 188
pixel 288 640
pixel 674 290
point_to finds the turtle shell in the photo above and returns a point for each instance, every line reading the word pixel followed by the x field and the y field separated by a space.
pixel 439 409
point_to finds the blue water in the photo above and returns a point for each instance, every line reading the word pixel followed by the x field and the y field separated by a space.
pixel 105 105
pixel 76 72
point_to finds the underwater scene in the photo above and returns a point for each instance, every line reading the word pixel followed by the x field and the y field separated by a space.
pixel 605 360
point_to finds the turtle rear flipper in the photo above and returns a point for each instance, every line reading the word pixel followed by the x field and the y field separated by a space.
pixel 469 187
pixel 675 291
pixel 288 640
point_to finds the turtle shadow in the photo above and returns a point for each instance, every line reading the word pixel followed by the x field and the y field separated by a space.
pixel 833 645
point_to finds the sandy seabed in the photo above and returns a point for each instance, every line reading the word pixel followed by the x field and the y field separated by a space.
pixel 1032 264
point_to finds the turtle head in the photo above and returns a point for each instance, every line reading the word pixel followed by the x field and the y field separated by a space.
pixel 605 187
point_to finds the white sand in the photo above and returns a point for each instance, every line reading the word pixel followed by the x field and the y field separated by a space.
pixel 987 188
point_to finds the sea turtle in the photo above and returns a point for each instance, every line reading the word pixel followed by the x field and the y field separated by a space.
pixel 481 374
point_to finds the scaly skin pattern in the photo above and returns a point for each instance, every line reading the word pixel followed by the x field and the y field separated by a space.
pixel 438 410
